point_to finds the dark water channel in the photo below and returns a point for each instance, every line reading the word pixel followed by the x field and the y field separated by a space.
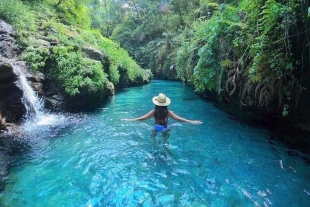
pixel 98 160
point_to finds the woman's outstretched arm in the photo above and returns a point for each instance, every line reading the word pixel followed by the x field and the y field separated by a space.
pixel 178 118
pixel 146 116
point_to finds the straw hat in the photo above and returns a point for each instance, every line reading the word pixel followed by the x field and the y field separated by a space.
pixel 161 100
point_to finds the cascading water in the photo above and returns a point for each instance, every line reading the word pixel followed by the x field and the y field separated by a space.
pixel 35 113
pixel 33 104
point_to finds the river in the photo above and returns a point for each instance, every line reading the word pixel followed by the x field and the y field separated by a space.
pixel 95 159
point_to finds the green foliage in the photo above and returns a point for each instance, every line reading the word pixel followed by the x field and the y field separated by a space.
pixel 217 33
pixel 36 57
pixel 76 74
pixel 123 34
pixel 144 25
pixel 120 62
pixel 206 10
pixel 249 48
pixel 256 50
pixel 183 60
pixel 273 63
pixel 74 11
pixel 18 14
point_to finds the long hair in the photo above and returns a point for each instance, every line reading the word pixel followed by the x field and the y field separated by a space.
pixel 161 115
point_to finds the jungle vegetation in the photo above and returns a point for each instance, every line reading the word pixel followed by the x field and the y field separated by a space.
pixel 253 51
pixel 54 37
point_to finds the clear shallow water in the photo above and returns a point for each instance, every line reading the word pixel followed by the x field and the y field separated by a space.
pixel 98 160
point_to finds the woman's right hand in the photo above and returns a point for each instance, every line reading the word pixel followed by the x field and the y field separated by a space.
pixel 127 119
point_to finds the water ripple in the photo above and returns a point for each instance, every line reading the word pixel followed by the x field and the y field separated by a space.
pixel 97 160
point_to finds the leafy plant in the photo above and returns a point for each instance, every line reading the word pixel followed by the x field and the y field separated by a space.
pixel 218 34
pixel 18 14
pixel 36 57
pixel 76 74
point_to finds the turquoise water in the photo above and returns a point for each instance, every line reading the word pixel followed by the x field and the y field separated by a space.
pixel 96 159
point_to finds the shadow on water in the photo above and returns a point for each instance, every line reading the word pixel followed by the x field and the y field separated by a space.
pixel 10 149
pixel 279 129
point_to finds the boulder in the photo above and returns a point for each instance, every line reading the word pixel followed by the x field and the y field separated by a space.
pixel 36 80
pixel 111 87
pixel 7 73
pixel 38 87
pixel 93 53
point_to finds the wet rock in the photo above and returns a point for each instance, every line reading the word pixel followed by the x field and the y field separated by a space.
pixel 13 131
pixel 54 100
pixel 54 104
pixel 37 80
pixel 111 87
pixel 35 76
pixel 11 94
pixel 38 87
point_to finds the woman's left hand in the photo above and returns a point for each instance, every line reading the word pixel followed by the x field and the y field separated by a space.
pixel 196 122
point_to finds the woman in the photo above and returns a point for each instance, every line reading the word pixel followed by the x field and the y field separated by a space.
pixel 161 114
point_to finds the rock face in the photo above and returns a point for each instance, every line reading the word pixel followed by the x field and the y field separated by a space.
pixel 11 102
pixel 8 48
pixel 11 94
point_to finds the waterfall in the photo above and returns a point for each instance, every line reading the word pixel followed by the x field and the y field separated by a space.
pixel 35 113
pixel 33 104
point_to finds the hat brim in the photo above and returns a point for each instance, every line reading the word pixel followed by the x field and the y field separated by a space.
pixel 168 101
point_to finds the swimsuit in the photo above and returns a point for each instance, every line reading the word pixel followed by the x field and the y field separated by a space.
pixel 160 128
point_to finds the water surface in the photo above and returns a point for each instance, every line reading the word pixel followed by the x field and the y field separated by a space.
pixel 98 160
